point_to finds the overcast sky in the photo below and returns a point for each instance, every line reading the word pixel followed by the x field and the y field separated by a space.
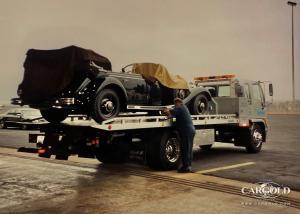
pixel 249 38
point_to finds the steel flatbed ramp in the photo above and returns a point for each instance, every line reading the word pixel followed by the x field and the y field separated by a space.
pixel 145 122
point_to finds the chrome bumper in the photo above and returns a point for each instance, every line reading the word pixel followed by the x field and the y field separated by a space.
pixel 65 101
pixel 16 101
pixel 58 102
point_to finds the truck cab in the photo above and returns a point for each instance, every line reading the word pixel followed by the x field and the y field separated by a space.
pixel 235 96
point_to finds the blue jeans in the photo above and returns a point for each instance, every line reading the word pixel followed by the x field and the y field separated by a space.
pixel 187 139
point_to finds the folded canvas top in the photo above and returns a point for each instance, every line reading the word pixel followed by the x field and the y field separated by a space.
pixel 153 72
pixel 48 72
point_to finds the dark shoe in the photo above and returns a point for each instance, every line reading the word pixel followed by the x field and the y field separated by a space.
pixel 185 170
pixel 181 168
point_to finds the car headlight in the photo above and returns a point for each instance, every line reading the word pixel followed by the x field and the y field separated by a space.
pixel 38 121
pixel 181 94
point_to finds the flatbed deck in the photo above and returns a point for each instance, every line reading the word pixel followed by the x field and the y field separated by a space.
pixel 147 122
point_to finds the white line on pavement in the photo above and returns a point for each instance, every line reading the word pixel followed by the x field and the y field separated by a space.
pixel 225 167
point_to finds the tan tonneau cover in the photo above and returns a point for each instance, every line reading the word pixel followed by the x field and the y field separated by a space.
pixel 153 72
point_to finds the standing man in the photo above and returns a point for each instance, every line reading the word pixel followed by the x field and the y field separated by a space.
pixel 186 129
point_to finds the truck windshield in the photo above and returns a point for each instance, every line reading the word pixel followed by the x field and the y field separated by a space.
pixel 224 91
pixel 257 92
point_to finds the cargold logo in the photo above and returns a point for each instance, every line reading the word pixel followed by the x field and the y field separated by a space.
pixel 266 190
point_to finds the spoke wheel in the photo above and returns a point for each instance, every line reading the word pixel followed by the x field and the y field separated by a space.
pixel 172 150
pixel 163 150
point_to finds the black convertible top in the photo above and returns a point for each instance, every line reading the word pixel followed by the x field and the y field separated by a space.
pixel 48 72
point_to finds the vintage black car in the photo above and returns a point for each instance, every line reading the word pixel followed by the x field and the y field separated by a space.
pixel 74 80
pixel 24 118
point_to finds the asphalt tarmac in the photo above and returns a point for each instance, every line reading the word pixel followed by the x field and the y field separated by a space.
pixel 278 161
pixel 29 184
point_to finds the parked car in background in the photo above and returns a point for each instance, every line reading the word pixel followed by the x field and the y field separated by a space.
pixel 23 118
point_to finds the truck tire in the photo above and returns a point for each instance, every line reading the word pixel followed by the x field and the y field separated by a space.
pixel 106 105
pixel 254 139
pixel 54 115
pixel 200 105
pixel 163 151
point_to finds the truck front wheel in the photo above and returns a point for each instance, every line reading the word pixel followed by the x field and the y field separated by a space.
pixel 255 139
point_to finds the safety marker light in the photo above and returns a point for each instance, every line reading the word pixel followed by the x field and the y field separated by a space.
pixel 41 151
pixel 95 141
pixel 244 124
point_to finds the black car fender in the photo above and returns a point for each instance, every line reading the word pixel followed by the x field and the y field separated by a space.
pixel 115 84
pixel 200 90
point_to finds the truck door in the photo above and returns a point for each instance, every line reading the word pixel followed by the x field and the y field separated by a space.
pixel 257 100
pixel 137 90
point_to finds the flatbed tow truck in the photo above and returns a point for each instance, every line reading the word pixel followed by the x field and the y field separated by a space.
pixel 154 139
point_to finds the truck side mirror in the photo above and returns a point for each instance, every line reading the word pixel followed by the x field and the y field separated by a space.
pixel 238 90
pixel 271 89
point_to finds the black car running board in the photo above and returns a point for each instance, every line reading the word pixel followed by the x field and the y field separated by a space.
pixel 148 108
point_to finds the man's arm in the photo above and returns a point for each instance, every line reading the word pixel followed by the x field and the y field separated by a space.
pixel 169 112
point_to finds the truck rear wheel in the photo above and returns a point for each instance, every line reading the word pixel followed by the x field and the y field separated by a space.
pixel 54 115
pixel 255 139
pixel 164 151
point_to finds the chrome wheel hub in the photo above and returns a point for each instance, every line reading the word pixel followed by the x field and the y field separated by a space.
pixel 172 150
pixel 201 106
pixel 108 106
pixel 258 137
